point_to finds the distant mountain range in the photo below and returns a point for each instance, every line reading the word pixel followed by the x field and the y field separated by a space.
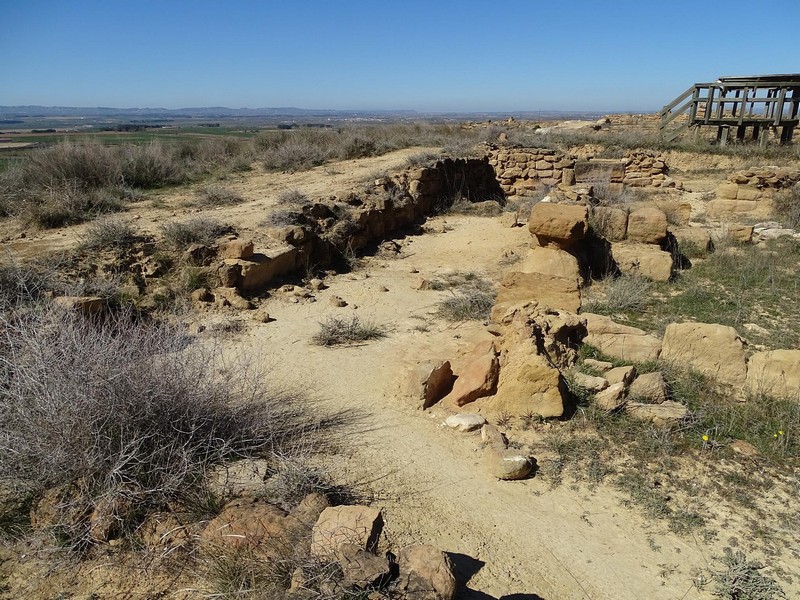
pixel 211 112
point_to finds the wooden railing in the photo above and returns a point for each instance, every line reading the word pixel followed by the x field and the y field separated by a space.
pixel 741 102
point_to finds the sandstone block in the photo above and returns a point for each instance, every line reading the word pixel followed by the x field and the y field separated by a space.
pixel 650 386
pixel 728 191
pixel 698 237
pixel 429 381
pixel 478 378
pixel 558 224
pixel 590 383
pixel 550 260
pixel 748 193
pixel 338 525
pixel 598 365
pixel 425 572
pixel 527 384
pixel 644 260
pixel 235 249
pixel 612 223
pixel 647 225
pixel 518 288
pixel 611 398
pixel 620 341
pixel 775 373
pixel 712 349
pixel 623 375
pixel 661 415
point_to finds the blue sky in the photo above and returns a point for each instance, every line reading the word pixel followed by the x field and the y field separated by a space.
pixel 425 55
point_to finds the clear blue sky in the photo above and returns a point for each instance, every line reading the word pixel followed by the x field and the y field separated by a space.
pixel 464 55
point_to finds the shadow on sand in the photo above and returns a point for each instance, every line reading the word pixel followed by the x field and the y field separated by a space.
pixel 465 567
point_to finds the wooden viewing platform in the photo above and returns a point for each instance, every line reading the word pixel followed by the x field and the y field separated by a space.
pixel 762 102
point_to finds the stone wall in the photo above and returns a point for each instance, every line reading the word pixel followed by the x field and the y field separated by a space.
pixel 749 192
pixel 520 170
pixel 646 169
pixel 320 233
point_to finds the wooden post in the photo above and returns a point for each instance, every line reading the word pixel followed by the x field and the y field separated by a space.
pixel 722 135
pixel 762 138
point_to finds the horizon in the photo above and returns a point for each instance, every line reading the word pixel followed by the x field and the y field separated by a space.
pixel 614 57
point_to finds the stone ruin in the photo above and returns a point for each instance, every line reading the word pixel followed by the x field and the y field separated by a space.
pixel 749 193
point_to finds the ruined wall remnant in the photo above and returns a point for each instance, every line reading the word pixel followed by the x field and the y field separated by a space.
pixel 749 192
pixel 319 233
pixel 521 170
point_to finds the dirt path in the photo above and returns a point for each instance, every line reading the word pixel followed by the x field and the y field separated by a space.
pixel 522 537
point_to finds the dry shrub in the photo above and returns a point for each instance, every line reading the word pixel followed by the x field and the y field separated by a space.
pixel 23 283
pixel 292 197
pixel 150 166
pixel 471 297
pixel 127 413
pixel 336 331
pixel 199 230
pixel 621 294
pixel 76 181
pixel 213 195
pixel 109 234
pixel 787 206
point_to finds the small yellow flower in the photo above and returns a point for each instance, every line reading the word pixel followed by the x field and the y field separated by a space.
pixel 775 435
pixel 780 432
pixel 705 438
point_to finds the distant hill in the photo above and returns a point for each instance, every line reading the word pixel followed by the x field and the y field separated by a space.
pixel 211 112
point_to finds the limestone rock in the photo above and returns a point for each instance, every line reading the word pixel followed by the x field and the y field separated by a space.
pixel 775 373
pixel 712 349
pixel 465 422
pixel 478 378
pixel 558 224
pixel 623 375
pixel 425 573
pixel 660 415
pixel 647 225
pixel 508 465
pixel 650 386
pixel 645 260
pixel 338 525
pixel 493 437
pixel 611 398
